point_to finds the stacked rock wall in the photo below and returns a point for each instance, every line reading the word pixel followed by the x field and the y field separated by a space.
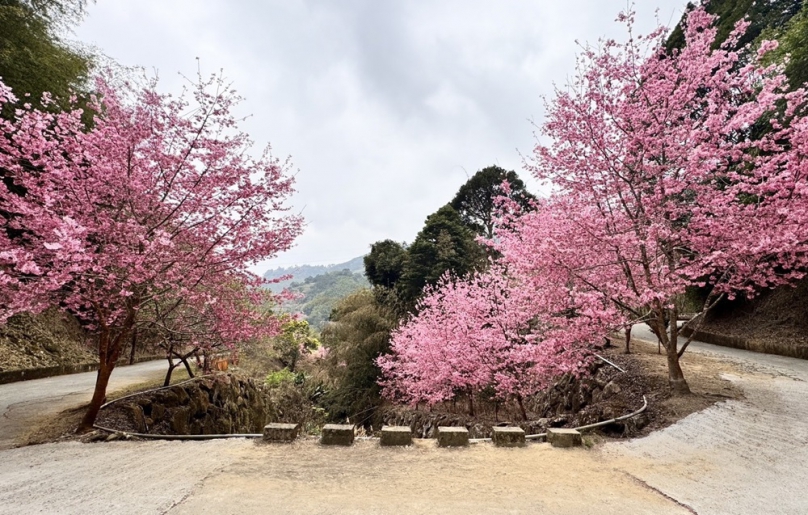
pixel 223 404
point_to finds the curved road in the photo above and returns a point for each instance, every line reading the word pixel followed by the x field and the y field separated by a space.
pixel 746 456
pixel 738 456
pixel 24 402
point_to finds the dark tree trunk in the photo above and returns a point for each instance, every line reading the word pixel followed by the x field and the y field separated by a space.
pixel 628 339
pixel 670 341
pixel 109 350
pixel 521 407
pixel 185 362
pixel 99 396
pixel 171 367
pixel 134 346
pixel 471 404
pixel 675 376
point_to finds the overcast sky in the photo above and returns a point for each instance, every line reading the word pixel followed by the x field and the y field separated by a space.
pixel 385 106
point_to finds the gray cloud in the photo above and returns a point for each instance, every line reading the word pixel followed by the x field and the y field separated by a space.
pixel 385 106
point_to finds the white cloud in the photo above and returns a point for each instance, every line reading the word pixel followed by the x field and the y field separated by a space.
pixel 385 106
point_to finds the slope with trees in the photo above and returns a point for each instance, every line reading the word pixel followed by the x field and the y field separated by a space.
pixel 281 277
pixel 34 59
pixel 318 295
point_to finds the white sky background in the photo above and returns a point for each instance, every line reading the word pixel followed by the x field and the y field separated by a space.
pixel 385 106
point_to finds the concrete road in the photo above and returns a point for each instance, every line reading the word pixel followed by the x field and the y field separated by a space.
pixel 25 402
pixel 745 456
pixel 739 456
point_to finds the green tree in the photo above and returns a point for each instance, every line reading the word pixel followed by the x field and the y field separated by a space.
pixel 33 58
pixel 358 333
pixel 771 14
pixel 385 263
pixel 444 244
pixel 475 201
pixel 793 39
pixel 295 339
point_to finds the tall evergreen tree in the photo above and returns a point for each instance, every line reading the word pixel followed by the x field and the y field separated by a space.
pixel 444 244
pixel 475 201
pixel 384 265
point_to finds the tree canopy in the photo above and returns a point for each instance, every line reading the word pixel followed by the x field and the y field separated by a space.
pixel 385 263
pixel 476 200
pixel 445 244
pixel 33 58
pixel 151 216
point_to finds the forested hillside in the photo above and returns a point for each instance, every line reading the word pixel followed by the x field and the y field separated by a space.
pixel 302 272
pixel 322 292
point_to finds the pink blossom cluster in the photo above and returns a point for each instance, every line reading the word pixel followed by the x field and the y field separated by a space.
pixel 150 216
pixel 493 331
pixel 668 170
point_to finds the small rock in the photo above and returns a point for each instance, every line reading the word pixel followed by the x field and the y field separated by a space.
pixel 158 412
pixel 564 437
pixel 508 436
pixel 611 388
pixel 396 436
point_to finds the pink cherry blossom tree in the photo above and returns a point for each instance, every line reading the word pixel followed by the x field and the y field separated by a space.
pixel 157 208
pixel 492 330
pixel 670 170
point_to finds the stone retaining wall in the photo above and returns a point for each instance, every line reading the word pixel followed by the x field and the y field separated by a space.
pixel 221 404
pixel 12 376
pixel 736 342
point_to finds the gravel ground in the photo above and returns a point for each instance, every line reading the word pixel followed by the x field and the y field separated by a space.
pixel 736 457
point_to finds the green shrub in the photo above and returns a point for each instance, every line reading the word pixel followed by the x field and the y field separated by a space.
pixel 281 377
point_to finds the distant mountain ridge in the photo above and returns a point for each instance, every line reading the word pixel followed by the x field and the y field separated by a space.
pixel 300 273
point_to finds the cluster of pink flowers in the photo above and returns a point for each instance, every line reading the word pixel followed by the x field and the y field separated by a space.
pixel 150 215
pixel 669 170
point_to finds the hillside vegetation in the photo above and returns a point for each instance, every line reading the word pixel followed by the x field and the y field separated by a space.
pixel 300 273
pixel 321 293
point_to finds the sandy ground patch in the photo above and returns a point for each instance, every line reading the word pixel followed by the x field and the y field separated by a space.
pixel 307 478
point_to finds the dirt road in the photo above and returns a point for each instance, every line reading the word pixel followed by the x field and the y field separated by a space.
pixel 736 457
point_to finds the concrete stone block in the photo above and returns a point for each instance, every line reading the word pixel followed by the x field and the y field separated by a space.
pixel 560 437
pixel 337 434
pixel 281 432
pixel 508 436
pixel 396 435
pixel 453 436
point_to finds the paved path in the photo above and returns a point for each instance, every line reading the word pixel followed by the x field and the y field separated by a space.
pixel 24 402
pixel 739 456
pixel 746 456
